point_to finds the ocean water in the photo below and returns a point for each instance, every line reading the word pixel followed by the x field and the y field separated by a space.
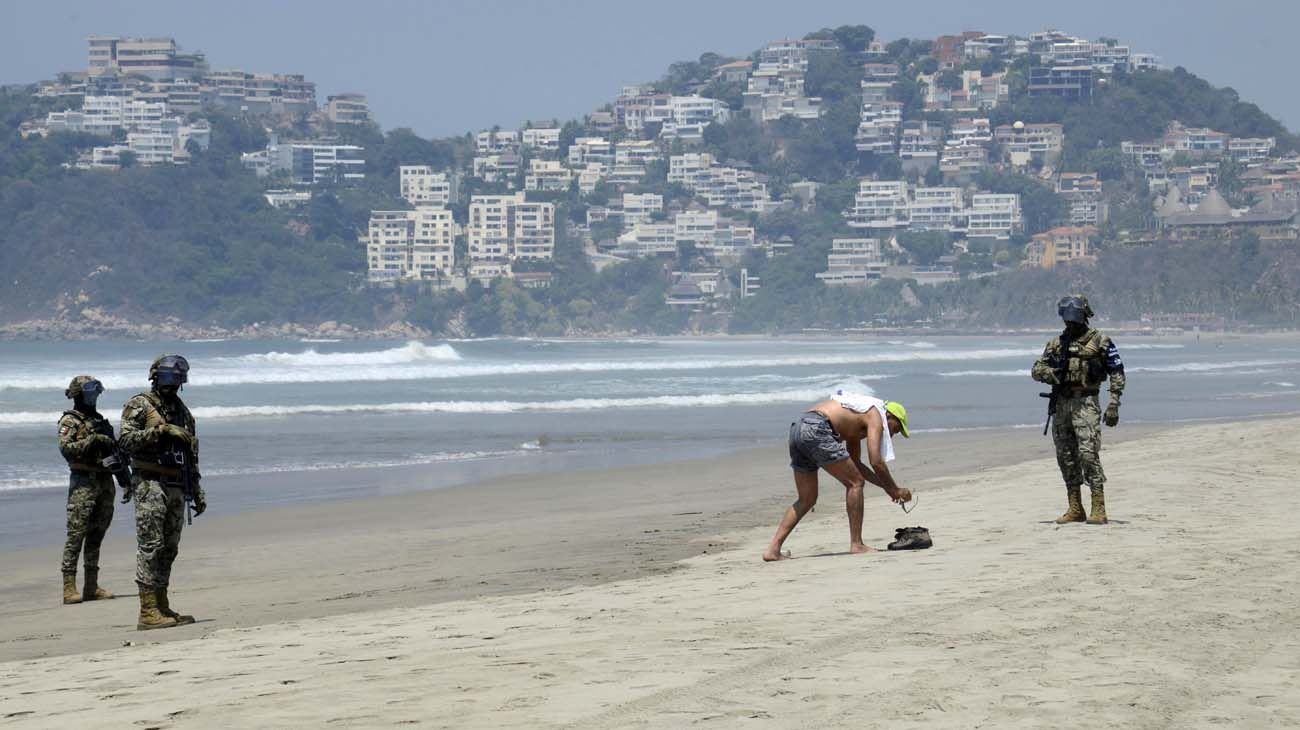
pixel 452 411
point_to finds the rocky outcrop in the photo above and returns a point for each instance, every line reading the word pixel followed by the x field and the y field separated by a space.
pixel 93 324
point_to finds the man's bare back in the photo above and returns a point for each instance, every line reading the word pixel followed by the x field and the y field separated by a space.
pixel 849 425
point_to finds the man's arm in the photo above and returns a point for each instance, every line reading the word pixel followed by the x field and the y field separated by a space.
pixel 141 426
pixel 855 453
pixel 79 449
pixel 883 479
pixel 1044 370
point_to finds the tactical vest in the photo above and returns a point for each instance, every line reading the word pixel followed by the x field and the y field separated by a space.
pixel 1087 367
pixel 83 428
pixel 156 415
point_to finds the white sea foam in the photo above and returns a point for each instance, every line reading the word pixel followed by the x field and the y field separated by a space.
pixel 416 361
pixel 25 418
pixel 16 484
pixel 1207 367
pixel 411 352
pixel 986 373
pixel 1151 346
pixel 1281 384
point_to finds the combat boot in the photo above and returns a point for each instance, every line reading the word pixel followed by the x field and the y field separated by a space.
pixel 1075 512
pixel 92 591
pixel 150 616
pixel 165 607
pixel 1098 516
pixel 70 593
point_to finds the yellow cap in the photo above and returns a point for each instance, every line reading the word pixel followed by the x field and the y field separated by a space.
pixel 899 412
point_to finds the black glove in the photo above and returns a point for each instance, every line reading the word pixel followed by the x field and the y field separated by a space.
pixel 101 443
pixel 200 504
pixel 1112 415
pixel 128 493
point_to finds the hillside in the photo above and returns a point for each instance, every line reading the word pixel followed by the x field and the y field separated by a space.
pixel 199 243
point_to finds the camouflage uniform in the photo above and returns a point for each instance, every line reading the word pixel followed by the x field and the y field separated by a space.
pixel 1076 431
pixel 159 493
pixel 90 488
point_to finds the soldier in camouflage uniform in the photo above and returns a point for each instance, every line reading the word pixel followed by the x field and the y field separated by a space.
pixel 85 438
pixel 158 431
pixel 1091 358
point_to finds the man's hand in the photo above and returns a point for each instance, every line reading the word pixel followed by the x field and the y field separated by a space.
pixel 200 504
pixel 128 494
pixel 901 495
pixel 1050 378
pixel 1112 415
pixel 101 442
pixel 176 433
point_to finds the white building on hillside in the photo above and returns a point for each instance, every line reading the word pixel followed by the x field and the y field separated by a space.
pixel 993 215
pixel 420 185
pixel 506 228
pixel 856 261
pixel 410 244
pixel 880 204
pixel 547 175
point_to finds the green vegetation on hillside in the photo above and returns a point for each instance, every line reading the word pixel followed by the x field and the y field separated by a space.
pixel 201 244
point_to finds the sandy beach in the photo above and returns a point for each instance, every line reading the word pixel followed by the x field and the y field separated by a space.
pixel 635 598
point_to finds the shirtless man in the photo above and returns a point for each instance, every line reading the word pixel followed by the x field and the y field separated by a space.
pixel 829 435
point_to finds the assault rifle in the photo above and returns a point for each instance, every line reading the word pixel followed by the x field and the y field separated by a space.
pixel 120 465
pixel 1062 367
pixel 180 458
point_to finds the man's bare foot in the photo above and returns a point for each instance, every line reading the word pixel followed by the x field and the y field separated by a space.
pixel 769 556
pixel 860 548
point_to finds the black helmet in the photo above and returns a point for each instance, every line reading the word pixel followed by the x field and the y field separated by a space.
pixel 83 384
pixel 169 370
pixel 1074 308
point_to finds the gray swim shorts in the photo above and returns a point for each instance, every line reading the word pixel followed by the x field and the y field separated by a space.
pixel 813 443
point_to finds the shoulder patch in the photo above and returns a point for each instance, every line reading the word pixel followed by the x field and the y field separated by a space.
pixel 1113 361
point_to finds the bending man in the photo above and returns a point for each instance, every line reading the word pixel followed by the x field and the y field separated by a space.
pixel 829 436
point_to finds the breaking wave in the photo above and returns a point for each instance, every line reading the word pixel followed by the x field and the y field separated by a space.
pixel 411 352
pixel 416 361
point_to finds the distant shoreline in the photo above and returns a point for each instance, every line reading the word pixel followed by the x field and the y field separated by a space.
pixel 60 330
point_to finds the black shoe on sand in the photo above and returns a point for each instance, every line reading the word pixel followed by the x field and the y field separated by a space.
pixel 911 538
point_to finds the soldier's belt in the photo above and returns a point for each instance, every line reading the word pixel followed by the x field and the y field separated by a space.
pixel 146 467
pixel 1081 392
pixel 93 468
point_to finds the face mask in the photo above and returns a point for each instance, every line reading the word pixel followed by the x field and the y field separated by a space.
pixel 90 393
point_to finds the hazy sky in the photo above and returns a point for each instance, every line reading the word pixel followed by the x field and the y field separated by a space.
pixel 448 66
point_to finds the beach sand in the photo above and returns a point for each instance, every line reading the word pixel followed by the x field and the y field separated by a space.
pixel 1184 612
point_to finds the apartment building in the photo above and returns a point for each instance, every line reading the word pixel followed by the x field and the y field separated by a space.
pixel 421 186
pixel 1082 191
pixel 347 108
pixel 1195 140
pixel 590 150
pixel 648 239
pixel 878 130
pixel 687 168
pixel 506 228
pixel 880 204
pixel 640 208
pixel 936 209
pixel 963 161
pixel 497 167
pixel 548 176
pixel 1251 151
pixel 410 244
pixel 1067 82
pixel 240 92
pixel 634 153
pixel 1061 245
pixel 1024 143
pixel 993 215
pixel 853 261
pixel 920 142
pixel 155 58
pixel 309 162
pixel 541 139
pixel 496 142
